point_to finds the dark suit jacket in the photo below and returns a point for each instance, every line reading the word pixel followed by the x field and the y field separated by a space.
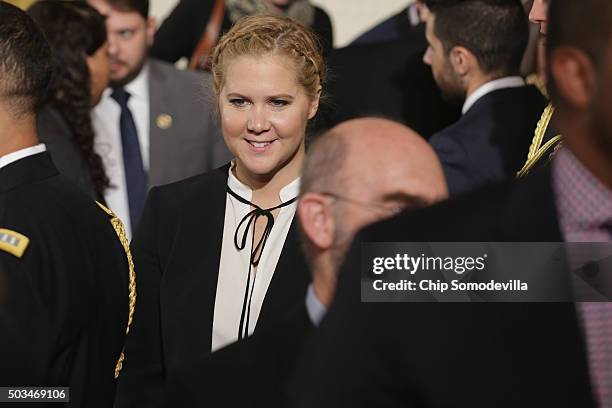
pixel 193 143
pixel 68 298
pixel 453 354
pixel 394 27
pixel 180 33
pixel 490 142
pixel 386 79
pixel 249 373
pixel 55 134
pixel 177 250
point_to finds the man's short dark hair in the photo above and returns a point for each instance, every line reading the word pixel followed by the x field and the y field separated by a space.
pixel 139 6
pixel 584 24
pixel 25 61
pixel 495 31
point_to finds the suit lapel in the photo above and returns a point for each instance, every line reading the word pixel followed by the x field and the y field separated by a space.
pixel 192 286
pixel 157 107
pixel 289 282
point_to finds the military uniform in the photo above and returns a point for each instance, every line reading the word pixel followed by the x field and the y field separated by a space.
pixel 545 140
pixel 64 284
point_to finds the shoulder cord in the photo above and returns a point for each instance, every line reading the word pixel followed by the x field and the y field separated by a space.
pixel 120 231
pixel 537 150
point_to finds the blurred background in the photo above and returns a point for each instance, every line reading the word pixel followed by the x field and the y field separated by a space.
pixel 349 17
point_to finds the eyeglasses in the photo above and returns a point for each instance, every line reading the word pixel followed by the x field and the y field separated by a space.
pixel 387 209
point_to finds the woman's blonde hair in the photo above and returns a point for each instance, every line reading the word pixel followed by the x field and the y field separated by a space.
pixel 266 34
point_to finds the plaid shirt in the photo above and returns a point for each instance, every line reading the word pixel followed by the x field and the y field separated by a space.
pixel 584 206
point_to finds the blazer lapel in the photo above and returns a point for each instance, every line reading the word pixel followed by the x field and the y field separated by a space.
pixel 289 282
pixel 192 286
pixel 158 113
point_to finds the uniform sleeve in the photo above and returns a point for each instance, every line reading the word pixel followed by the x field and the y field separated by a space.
pixel 24 324
pixel 140 382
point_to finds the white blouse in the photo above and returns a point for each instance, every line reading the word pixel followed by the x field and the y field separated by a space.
pixel 234 264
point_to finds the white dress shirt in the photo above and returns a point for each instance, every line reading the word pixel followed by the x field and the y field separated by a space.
pixel 501 83
pixel 105 117
pixel 234 264
pixel 315 309
pixel 21 154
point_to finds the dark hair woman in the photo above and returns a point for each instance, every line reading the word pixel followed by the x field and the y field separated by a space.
pixel 77 35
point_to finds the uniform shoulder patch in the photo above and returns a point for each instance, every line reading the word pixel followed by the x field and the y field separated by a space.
pixel 13 242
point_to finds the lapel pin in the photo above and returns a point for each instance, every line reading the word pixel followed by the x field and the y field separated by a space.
pixel 164 121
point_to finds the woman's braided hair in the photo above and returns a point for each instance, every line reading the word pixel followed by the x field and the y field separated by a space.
pixel 74 31
pixel 259 35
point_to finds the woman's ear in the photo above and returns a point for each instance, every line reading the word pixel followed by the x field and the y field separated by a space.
pixel 314 104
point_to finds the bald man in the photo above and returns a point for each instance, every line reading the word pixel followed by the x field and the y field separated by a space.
pixel 359 172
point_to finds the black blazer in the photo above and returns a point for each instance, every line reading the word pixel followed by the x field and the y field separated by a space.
pixel 453 354
pixel 386 79
pixel 177 250
pixel 248 373
pixel 67 296
pixel 490 142
pixel 59 140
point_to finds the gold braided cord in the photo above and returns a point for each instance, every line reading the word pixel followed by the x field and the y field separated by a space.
pixel 536 80
pixel 536 150
pixel 120 231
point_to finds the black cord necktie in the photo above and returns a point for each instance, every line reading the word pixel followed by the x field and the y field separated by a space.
pixel 251 220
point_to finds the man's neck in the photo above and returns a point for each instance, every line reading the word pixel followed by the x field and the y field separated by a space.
pixel 16 134
pixel 596 158
pixel 483 85
pixel 479 80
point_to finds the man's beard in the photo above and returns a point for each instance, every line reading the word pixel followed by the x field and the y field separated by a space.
pixel 450 87
pixel 453 96
pixel 131 75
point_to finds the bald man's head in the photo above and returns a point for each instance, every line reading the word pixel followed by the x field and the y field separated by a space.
pixel 360 172
pixel 369 154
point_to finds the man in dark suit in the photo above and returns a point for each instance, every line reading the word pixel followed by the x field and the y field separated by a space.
pixel 393 82
pixel 63 270
pixel 475 51
pixel 341 192
pixel 154 125
pixel 503 355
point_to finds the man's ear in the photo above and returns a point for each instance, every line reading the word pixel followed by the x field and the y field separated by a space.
pixel 317 220
pixel 462 60
pixel 574 76
pixel 151 28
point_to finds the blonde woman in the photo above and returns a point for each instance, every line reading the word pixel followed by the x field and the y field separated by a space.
pixel 217 255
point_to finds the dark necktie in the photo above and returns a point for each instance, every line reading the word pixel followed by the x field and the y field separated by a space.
pixel 135 175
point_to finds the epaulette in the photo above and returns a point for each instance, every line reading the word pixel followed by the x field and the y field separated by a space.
pixel 120 231
pixel 13 242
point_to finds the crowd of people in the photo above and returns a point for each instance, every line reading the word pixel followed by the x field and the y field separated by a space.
pixel 194 237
